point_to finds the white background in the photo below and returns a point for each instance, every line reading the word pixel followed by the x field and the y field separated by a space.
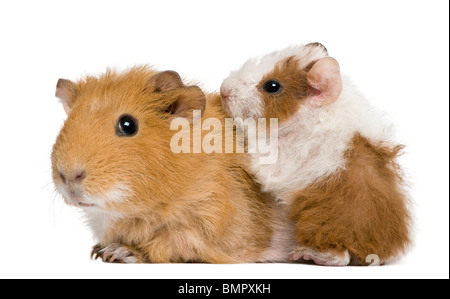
pixel 397 53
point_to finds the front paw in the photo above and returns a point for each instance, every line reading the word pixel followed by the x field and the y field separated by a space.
pixel 114 253
pixel 320 258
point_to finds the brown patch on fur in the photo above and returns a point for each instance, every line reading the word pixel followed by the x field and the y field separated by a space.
pixel 362 208
pixel 294 89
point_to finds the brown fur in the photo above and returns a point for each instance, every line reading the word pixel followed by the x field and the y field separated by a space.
pixel 183 207
pixel 294 89
pixel 361 208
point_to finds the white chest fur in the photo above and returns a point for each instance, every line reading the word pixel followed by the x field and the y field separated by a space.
pixel 100 221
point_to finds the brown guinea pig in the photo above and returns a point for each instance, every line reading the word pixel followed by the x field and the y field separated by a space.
pixel 336 171
pixel 144 202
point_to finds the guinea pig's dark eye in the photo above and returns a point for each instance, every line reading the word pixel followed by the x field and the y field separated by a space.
pixel 272 87
pixel 127 126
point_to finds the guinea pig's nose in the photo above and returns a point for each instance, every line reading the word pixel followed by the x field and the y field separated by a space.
pixel 76 176
pixel 79 176
pixel 225 93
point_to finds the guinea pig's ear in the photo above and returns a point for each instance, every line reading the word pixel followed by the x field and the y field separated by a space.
pixel 185 98
pixel 189 98
pixel 324 81
pixel 317 45
pixel 166 81
pixel 66 92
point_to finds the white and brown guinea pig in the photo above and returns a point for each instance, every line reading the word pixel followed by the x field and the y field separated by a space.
pixel 143 202
pixel 336 171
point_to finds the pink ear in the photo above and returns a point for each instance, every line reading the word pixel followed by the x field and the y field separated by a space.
pixel 65 91
pixel 325 82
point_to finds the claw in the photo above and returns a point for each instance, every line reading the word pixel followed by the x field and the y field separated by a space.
pixel 113 253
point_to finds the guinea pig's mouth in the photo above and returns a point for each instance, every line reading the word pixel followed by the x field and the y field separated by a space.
pixel 85 205
pixel 77 199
